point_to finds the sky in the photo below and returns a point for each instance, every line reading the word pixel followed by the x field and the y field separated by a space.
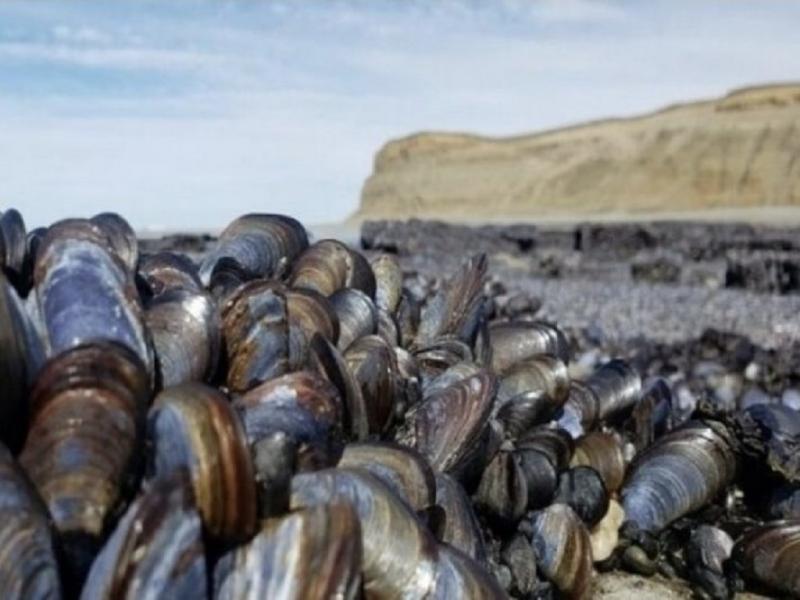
pixel 183 115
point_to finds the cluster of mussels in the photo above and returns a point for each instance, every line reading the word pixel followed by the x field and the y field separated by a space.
pixel 287 420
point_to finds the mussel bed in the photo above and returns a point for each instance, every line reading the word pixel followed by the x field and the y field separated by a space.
pixel 268 415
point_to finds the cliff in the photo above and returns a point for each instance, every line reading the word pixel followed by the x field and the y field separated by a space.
pixel 739 151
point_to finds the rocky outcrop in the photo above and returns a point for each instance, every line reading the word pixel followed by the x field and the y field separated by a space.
pixel 742 150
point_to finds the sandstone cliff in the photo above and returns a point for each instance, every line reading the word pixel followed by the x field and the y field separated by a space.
pixel 742 150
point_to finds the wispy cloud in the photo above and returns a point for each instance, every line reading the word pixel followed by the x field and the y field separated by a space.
pixel 193 112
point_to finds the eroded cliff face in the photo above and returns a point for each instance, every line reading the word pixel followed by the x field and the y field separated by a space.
pixel 742 150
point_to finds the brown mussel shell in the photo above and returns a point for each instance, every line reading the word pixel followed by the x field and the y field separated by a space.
pixel 121 237
pixel 388 281
pixel 85 441
pixel 769 554
pixel 373 365
pixel 603 452
pixel 460 529
pixel 563 550
pixel 515 341
pixel 193 427
pixel 328 266
pixel 356 313
pixel 167 271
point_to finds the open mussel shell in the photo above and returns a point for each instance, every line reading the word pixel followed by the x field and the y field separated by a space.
pixel 441 355
pixel 460 529
pixel 303 405
pixel 328 266
pixel 373 365
pixel 400 554
pixel 603 452
pixel 85 442
pixel 121 237
pixel 185 328
pixel 401 468
pixel 21 356
pixel 156 549
pixel 356 313
pixel 449 427
pixel 769 554
pixel 583 490
pixel 458 307
pixel 563 550
pixel 310 554
pixel 85 293
pixel 255 328
pixel 166 271
pixel 28 567
pixel 388 281
pixel 252 246
pixel 193 427
pixel 681 472
pixel 516 341
pixel 13 242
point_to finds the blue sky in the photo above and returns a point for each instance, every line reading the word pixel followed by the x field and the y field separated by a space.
pixel 184 115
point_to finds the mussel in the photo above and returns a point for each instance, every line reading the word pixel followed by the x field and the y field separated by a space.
pixel 194 428
pixel 252 246
pixel 515 341
pixel 83 450
pixel 28 567
pixel 312 553
pixel 329 266
pixel 156 550
pixel 769 554
pixel 681 472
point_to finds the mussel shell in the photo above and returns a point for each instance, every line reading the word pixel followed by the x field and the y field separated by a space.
pixel 461 529
pixel 652 416
pixel 356 313
pixel 388 281
pixel 255 326
pixel 326 360
pixel 310 554
pixel 771 434
pixel 681 472
pixel 85 293
pixel 502 493
pixel 303 405
pixel 28 567
pixel 448 426
pixel 618 388
pixel 769 554
pixel 156 550
pixel 254 245
pixel 309 314
pixel 387 327
pixel 541 476
pixel 583 490
pixel 401 468
pixel 553 442
pixel 563 550
pixel 458 576
pixel 407 316
pixel 458 372
pixel 21 357
pixel 457 308
pixel 193 427
pixel 400 554
pixel 515 341
pixel 580 412
pixel 603 452
pixel 330 265
pixel 84 445
pixel 373 365
pixel 121 237
pixel 185 329
pixel 166 271
pixel 13 241
pixel 443 354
